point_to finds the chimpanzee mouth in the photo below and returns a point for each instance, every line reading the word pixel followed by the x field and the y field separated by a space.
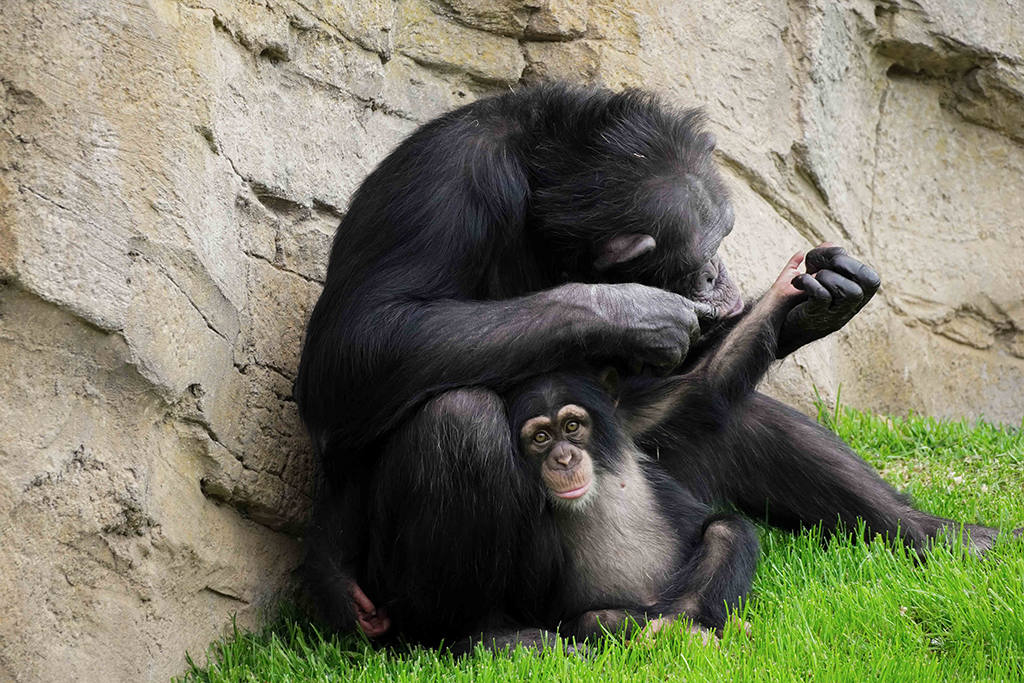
pixel 735 310
pixel 572 494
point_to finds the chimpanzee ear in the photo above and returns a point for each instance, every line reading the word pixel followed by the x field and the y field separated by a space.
pixel 609 378
pixel 622 248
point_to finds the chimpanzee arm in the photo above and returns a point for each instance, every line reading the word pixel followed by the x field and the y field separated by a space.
pixel 431 347
pixel 726 373
pixel 369 360
pixel 838 286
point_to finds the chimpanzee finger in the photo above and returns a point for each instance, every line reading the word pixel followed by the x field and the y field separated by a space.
pixel 704 311
pixel 860 273
pixel 846 294
pixel 820 257
pixel 819 298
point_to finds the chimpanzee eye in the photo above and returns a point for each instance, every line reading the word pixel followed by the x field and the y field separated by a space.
pixel 541 437
pixel 572 426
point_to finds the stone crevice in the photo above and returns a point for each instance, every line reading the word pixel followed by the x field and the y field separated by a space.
pixel 762 187
pixel 880 121
pixel 278 266
pixel 188 297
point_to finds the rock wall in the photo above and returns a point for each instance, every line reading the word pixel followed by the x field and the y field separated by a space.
pixel 172 171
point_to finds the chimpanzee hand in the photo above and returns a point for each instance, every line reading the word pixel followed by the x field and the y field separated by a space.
pixel 648 326
pixel 837 286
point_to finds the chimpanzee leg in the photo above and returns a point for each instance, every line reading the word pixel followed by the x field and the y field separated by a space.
pixel 775 463
pixel 449 510
pixel 719 572
pixel 716 575
pixel 334 546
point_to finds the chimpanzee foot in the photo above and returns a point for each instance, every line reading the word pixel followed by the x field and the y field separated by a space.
pixel 372 621
pixel 982 538
pixel 706 635
pixel 505 641
pixel 976 538
pixel 744 626
pixel 979 539
pixel 654 626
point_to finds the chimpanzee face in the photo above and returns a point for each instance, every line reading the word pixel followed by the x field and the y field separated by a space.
pixel 684 221
pixel 558 442
pixel 566 430
pixel 638 199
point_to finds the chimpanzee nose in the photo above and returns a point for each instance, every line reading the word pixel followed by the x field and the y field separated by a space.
pixel 563 454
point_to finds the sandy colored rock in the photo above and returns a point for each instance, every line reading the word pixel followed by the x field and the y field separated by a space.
pixel 559 20
pixel 578 61
pixel 505 17
pixel 172 172
pixel 429 38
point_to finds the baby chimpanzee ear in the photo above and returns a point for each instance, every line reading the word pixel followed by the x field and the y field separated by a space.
pixel 609 379
pixel 622 248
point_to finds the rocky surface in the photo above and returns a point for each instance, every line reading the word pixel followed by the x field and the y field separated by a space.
pixel 172 171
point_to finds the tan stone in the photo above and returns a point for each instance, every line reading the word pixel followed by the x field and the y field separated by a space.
pixel 577 61
pixel 369 24
pixel 505 17
pixel 559 19
pixel 943 203
pixel 993 96
pixel 418 93
pixel 171 174
pixel 282 304
pixel 108 540
pixel 430 39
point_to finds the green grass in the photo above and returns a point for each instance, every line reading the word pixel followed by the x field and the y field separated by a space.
pixel 848 611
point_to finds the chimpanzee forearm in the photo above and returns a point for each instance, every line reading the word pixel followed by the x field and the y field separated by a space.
pixel 731 370
pixel 457 343
pixel 727 369
pixel 707 391
pixel 390 356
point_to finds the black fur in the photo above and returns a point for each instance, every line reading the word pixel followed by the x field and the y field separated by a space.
pixel 466 264
pixel 712 557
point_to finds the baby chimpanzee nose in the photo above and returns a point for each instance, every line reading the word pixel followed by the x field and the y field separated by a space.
pixel 563 454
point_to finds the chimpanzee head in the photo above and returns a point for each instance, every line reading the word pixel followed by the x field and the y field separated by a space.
pixel 639 199
pixel 567 434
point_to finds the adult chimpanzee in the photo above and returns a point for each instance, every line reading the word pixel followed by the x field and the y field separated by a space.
pixel 630 544
pixel 508 238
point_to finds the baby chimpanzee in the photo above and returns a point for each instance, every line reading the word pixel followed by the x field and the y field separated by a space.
pixel 635 544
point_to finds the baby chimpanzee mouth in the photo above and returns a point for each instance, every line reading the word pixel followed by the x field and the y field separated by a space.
pixel 573 493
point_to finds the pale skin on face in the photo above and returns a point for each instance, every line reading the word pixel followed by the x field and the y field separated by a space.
pixel 571 426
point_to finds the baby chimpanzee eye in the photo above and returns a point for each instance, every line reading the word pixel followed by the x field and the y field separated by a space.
pixel 541 437
pixel 572 426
